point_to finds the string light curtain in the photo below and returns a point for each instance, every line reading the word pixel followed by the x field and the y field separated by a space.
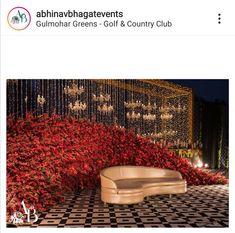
pixel 48 96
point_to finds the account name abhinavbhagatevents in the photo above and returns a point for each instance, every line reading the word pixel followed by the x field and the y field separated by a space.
pixel 106 23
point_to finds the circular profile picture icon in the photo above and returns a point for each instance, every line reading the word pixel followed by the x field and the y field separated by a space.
pixel 19 18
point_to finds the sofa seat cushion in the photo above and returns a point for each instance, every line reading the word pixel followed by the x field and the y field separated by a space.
pixel 139 183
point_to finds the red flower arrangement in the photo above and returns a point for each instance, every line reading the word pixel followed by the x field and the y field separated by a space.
pixel 48 156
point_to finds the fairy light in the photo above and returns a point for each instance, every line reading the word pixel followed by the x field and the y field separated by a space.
pixel 138 100
pixel 199 164
pixel 16 90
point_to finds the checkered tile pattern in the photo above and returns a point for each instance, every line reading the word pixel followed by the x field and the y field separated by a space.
pixel 201 206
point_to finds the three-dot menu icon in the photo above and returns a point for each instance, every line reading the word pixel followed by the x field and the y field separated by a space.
pixel 219 18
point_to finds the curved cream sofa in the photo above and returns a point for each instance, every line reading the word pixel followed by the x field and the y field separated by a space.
pixel 130 184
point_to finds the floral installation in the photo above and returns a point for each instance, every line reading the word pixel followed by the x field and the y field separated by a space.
pixel 49 156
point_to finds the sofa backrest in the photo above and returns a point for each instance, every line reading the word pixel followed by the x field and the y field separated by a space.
pixel 125 172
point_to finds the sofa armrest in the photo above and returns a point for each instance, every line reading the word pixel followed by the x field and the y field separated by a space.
pixel 178 175
pixel 107 182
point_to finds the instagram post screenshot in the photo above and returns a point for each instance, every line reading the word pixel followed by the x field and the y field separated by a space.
pixel 115 114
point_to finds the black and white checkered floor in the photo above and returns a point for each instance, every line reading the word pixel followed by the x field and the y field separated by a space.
pixel 201 206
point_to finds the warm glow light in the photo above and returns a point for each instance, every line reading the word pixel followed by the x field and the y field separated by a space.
pixel 149 117
pixel 78 106
pixel 74 90
pixel 206 165
pixel 154 102
pixel 106 109
pixel 199 164
pixel 133 115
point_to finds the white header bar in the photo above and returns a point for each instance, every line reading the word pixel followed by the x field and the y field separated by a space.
pixel 153 17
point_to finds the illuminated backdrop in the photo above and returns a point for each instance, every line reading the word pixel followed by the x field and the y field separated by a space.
pixel 154 108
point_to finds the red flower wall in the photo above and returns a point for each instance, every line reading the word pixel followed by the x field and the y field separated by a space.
pixel 48 156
